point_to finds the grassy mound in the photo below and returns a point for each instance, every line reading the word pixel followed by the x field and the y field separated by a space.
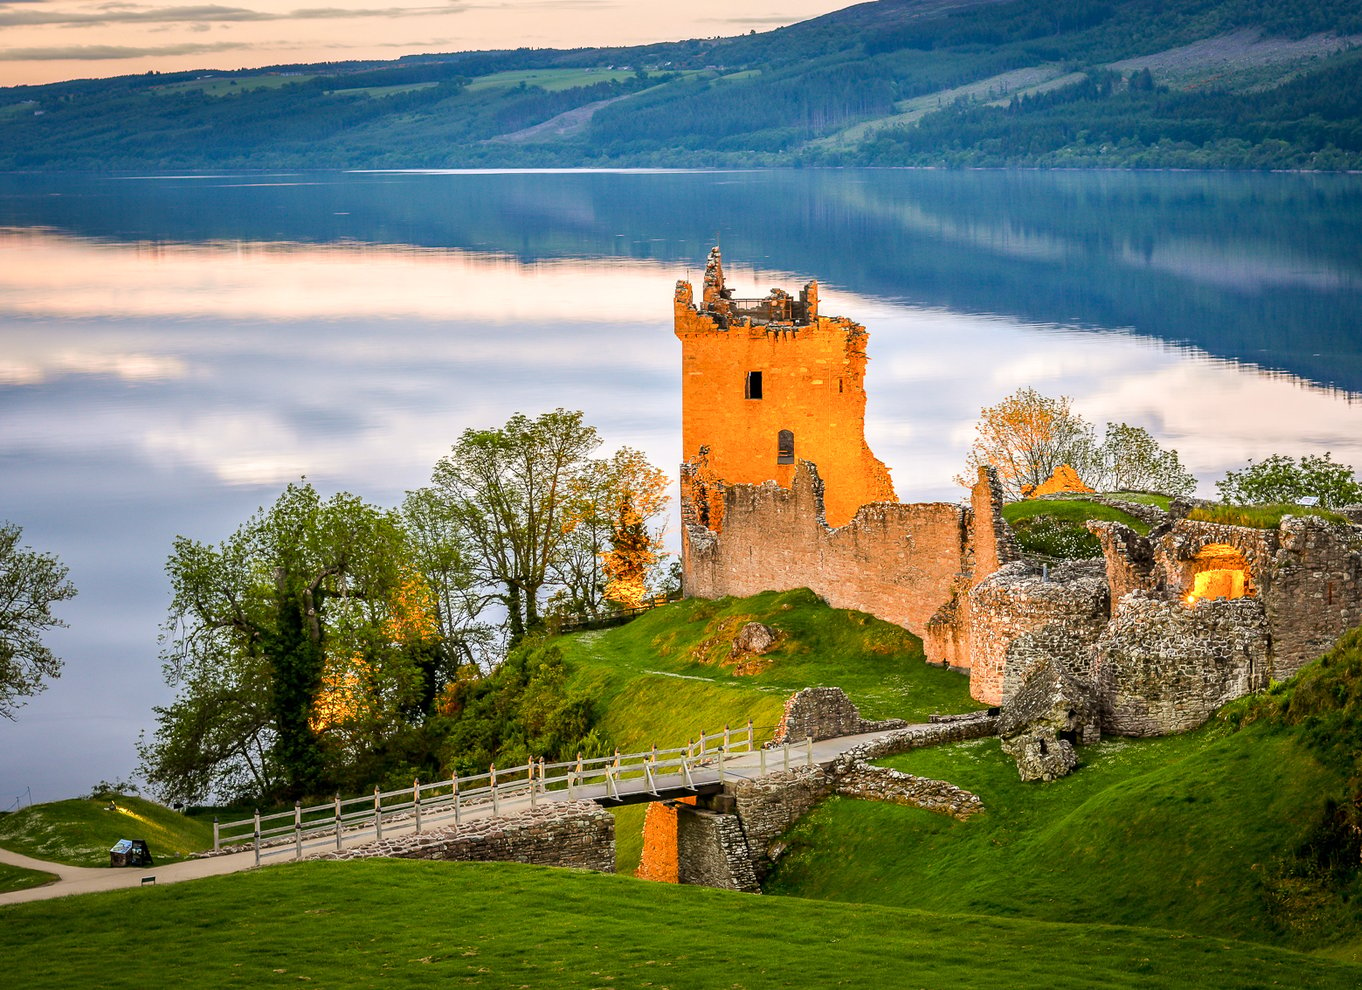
pixel 17 878
pixel 671 673
pixel 407 924
pixel 1056 527
pixel 1188 832
pixel 1260 516
pixel 80 831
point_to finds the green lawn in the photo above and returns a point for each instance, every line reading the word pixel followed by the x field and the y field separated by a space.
pixel 399 924
pixel 1194 832
pixel 225 86
pixel 381 91
pixel 80 831
pixel 17 878
pixel 549 79
pixel 1057 527
pixel 663 678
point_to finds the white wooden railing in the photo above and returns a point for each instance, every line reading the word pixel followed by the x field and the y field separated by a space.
pixel 502 791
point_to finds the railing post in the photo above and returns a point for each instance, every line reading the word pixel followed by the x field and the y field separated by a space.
pixel 416 800
pixel 572 778
pixel 378 815
pixel 542 789
pixel 297 830
pixel 495 809
pixel 727 741
pixel 456 803
pixel 808 745
pixel 257 836
pixel 749 735
pixel 762 757
pixel 721 765
pixel 217 835
pixel 529 770
pixel 338 822
pixel 702 742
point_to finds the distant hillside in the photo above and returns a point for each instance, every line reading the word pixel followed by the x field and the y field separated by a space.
pixel 1144 83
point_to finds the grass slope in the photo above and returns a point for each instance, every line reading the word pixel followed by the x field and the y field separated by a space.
pixel 17 878
pixel 1193 832
pixel 80 831
pixel 669 675
pixel 415 924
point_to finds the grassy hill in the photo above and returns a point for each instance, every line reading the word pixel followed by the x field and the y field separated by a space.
pixel 80 831
pixel 416 924
pixel 1244 829
pixel 1192 83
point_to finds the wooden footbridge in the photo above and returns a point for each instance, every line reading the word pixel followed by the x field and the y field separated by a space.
pixel 702 766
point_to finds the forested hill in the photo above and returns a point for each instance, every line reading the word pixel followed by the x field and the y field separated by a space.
pixel 1142 83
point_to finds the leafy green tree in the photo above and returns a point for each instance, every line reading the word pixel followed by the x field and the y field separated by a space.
pixel 30 584
pixel 508 490
pixel 291 629
pixel 1130 460
pixel 1281 478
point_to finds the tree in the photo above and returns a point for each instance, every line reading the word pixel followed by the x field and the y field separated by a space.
pixel 307 598
pixel 613 542
pixel 1130 460
pixel 30 584
pixel 1025 437
pixel 508 490
pixel 1281 478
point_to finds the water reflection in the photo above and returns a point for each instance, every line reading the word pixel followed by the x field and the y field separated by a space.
pixel 175 351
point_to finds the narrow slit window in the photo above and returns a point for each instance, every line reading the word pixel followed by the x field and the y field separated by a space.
pixel 753 390
pixel 785 447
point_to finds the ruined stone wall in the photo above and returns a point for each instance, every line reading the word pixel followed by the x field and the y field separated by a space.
pixel 1313 593
pixel 768 806
pixel 712 851
pixel 825 713
pixel 1018 599
pixel 872 783
pixel 1306 573
pixel 575 834
pixel 1163 666
pixel 812 385
pixel 899 562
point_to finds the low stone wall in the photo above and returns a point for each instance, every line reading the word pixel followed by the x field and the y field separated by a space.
pixel 575 834
pixel 891 786
pixel 1164 666
pixel 825 713
pixel 770 805
pixel 957 729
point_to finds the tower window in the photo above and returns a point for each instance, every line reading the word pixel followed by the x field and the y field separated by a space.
pixel 785 447
pixel 753 389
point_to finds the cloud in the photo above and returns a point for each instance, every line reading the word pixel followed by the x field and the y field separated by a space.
pixel 213 13
pixel 104 52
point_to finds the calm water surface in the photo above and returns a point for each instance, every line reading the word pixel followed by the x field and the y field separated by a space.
pixel 174 349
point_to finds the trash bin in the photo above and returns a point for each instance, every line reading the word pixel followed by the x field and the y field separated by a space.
pixel 130 852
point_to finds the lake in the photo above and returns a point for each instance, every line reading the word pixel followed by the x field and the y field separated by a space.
pixel 177 348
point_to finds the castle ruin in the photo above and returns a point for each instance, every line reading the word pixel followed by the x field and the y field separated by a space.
pixel 780 490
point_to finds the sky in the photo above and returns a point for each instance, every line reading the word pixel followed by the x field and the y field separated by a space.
pixel 51 40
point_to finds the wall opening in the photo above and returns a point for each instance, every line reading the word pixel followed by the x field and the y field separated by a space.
pixel 1219 571
pixel 753 387
pixel 785 447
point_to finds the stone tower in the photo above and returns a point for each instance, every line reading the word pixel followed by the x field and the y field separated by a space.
pixel 767 383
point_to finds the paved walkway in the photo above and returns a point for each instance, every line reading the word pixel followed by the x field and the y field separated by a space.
pixel 83 880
